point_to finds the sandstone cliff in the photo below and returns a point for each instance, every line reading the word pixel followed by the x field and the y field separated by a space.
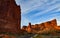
pixel 10 16
pixel 46 27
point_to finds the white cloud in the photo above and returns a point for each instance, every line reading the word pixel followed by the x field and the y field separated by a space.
pixel 58 23
pixel 24 21
pixel 17 2
pixel 58 20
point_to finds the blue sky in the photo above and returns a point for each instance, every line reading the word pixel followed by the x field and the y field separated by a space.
pixel 38 11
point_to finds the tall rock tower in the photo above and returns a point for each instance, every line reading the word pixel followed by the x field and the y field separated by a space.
pixel 10 16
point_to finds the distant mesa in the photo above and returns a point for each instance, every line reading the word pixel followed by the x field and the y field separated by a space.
pixel 43 27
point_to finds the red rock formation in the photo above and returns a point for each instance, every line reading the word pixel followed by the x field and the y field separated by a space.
pixel 10 16
pixel 49 26
pixel 43 27
pixel 29 28
pixel 24 28
pixel 54 22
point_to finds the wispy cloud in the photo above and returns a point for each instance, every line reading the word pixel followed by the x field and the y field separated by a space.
pixel 48 9
pixel 27 6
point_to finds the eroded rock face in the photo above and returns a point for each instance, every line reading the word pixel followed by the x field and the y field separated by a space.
pixel 10 16
pixel 29 29
pixel 45 27
pixel 24 28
